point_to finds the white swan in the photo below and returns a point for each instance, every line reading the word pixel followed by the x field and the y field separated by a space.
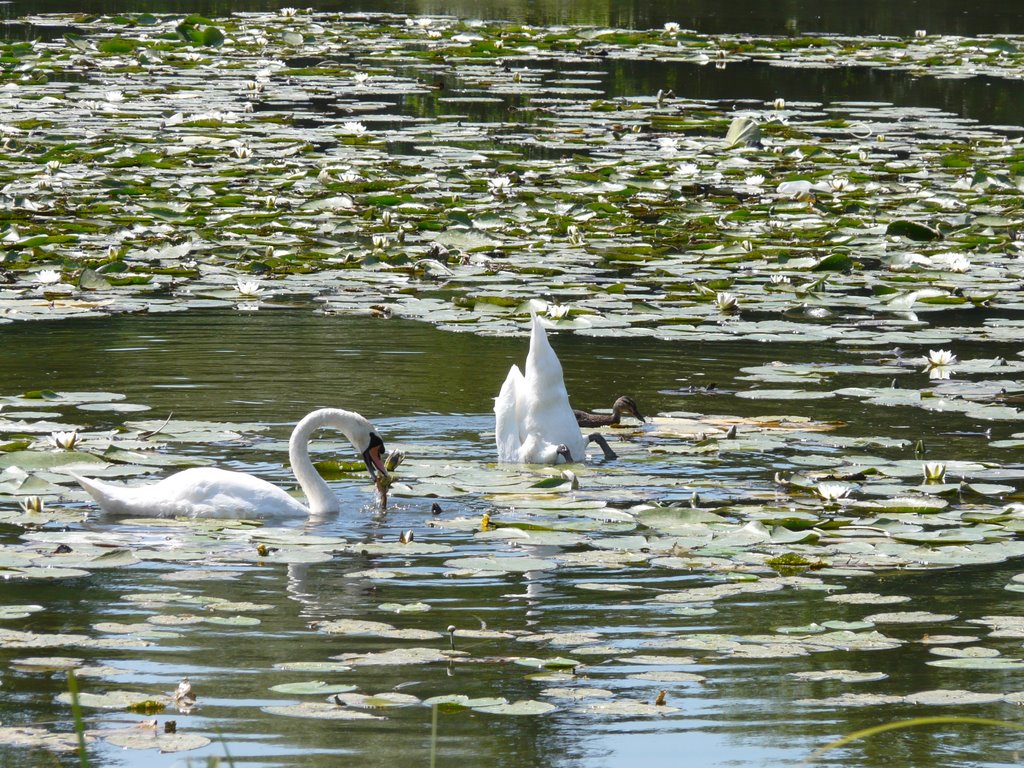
pixel 534 423
pixel 208 491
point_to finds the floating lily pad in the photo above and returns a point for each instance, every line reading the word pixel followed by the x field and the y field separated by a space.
pixel 320 711
pixel 312 687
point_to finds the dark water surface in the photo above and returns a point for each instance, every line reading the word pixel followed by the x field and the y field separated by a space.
pixel 874 17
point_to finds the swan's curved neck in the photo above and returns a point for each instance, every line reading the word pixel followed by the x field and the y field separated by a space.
pixel 319 496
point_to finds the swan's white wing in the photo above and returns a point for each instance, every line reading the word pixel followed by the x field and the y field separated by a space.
pixel 548 416
pixel 508 416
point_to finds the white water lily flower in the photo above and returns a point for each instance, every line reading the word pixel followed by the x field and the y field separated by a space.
pixel 574 482
pixel 920 33
pixel 499 185
pixel 940 357
pixel 687 169
pixel 953 262
pixel 557 311
pixel 831 491
pixel 360 78
pixel 779 104
pixel 353 128
pixel 574 234
pixel 838 183
pixel 64 441
pixel 250 288
pixel 52 166
pixel 672 27
pixel 934 471
pixel 779 279
pixel 47 276
pixel 242 152
pixel 31 504
pixel 725 301
pixel 288 12
pixel 114 96
pixel 756 180
pixel 668 144
pixel 379 242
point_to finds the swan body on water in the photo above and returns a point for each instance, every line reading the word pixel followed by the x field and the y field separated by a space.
pixel 534 423
pixel 212 492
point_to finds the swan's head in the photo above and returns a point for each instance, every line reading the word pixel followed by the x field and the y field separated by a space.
pixel 374 456
pixel 563 451
pixel 627 404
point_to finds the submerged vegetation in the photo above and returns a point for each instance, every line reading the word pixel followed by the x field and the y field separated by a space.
pixel 453 172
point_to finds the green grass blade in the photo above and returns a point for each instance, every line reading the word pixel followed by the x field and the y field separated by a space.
pixel 76 714
pixel 913 723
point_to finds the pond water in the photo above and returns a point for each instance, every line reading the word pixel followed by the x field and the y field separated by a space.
pixel 271 367
pixel 769 565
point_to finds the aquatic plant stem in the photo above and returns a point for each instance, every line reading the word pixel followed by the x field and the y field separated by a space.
pixel 76 714
pixel 433 736
pixel 913 723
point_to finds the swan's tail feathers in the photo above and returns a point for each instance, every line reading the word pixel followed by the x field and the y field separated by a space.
pixel 92 487
pixel 99 490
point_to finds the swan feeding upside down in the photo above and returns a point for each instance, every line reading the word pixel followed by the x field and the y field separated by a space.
pixel 534 423
pixel 212 492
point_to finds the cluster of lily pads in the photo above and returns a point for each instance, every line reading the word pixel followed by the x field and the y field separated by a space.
pixel 625 532
pixel 448 171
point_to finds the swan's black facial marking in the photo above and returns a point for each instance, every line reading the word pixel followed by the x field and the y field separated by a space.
pixel 373 456
pixel 563 451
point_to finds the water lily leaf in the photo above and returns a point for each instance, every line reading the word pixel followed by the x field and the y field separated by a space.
pixel 312 687
pixel 453 702
pixel 312 666
pixel 522 707
pixel 8 612
pixel 144 738
pixel 626 708
pixel 952 697
pixel 668 677
pixel 841 675
pixel 397 657
pixel 852 700
pixel 316 710
pixel 404 607
pixel 378 700
pixel 48 663
pixel 33 461
pixel 353 627
pixel 558 662
pixel 502 564
pixel 867 598
pixel 912 230
pixel 979 662
pixel 132 700
pixel 32 737
pixel 575 694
